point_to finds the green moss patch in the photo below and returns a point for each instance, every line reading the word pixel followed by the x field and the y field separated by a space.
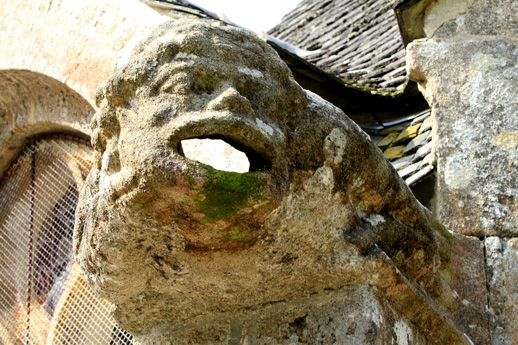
pixel 225 193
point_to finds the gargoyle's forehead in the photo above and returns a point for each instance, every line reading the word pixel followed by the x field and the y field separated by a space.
pixel 193 79
pixel 217 64
pixel 224 43
pixel 245 61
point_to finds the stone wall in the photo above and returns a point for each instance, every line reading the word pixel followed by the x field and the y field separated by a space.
pixel 77 43
pixel 467 69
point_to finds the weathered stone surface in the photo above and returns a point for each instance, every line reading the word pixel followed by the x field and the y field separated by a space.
pixel 77 43
pixel 468 72
pixel 471 85
pixel 354 315
pixel 466 276
pixel 441 11
pixel 445 18
pixel 502 278
pixel 172 241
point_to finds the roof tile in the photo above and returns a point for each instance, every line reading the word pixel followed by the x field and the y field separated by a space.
pixel 407 133
pixel 394 152
pixel 352 35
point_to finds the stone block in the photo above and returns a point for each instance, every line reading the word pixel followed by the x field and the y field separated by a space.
pixel 502 278
pixel 78 43
pixel 464 271
pixel 471 85
pixel 354 315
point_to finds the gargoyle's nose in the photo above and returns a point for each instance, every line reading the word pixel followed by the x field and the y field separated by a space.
pixel 230 99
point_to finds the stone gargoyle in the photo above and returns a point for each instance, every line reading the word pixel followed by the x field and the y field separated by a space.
pixel 182 249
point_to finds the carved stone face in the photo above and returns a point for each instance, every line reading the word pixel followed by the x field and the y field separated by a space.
pixel 216 90
pixel 168 239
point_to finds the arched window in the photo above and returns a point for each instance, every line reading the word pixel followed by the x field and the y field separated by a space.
pixel 43 298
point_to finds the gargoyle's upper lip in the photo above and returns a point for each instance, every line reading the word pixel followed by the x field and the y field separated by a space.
pixel 260 141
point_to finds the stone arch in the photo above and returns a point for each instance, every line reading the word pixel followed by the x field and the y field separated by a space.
pixel 34 104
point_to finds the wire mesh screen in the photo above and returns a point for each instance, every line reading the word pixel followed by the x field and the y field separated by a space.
pixel 43 298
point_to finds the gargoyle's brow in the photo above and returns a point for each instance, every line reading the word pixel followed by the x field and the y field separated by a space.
pixel 191 65
pixel 202 66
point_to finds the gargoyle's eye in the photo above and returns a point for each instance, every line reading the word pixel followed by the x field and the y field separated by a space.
pixel 205 86
pixel 223 154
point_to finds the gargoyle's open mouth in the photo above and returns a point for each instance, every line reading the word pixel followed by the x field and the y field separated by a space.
pixel 258 141
pixel 223 153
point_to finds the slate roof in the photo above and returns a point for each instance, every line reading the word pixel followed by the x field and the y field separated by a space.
pixel 179 9
pixel 408 146
pixel 357 41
